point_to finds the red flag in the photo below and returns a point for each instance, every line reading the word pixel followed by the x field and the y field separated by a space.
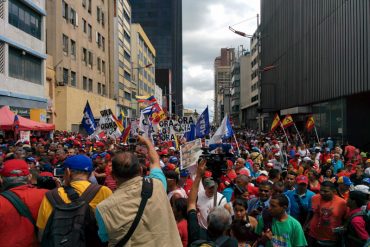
pixel 310 123
pixel 275 122
pixel 126 133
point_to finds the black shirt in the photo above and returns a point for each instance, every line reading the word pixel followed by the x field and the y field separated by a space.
pixel 195 232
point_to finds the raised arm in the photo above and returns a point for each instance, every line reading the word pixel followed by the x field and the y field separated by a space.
pixel 192 199
pixel 153 156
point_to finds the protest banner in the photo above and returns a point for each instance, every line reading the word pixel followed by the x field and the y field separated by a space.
pixel 190 152
pixel 107 124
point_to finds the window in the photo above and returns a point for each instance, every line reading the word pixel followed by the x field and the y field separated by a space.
pixel 254 98
pixel 127 36
pixel 127 75
pixel 127 56
pixel 24 18
pixel 65 76
pixel 98 39
pixel 98 14
pixel 103 43
pixel 99 64
pixel 127 96
pixel 72 18
pixel 89 32
pixel 24 66
pixel 127 17
pixel 84 3
pixel 65 44
pixel 73 79
pixel 103 66
pixel 89 6
pixel 103 90
pixel 73 49
pixel 84 25
pixel 84 55
pixel 90 85
pixel 99 88
pixel 84 86
pixel 90 59
pixel 65 10
pixel 102 18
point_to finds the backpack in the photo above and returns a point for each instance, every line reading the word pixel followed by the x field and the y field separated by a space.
pixel 71 224
pixel 206 243
pixel 351 235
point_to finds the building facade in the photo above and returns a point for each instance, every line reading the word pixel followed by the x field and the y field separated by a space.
pixel 77 38
pixel 247 120
pixel 223 86
pixel 23 57
pixel 320 50
pixel 162 22
pixel 235 93
pixel 143 61
pixel 119 25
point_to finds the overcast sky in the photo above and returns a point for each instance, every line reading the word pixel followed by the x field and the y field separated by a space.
pixel 205 32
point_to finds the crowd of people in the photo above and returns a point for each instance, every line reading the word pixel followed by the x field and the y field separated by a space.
pixel 259 191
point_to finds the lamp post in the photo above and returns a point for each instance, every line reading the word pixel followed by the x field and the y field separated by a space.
pixel 138 82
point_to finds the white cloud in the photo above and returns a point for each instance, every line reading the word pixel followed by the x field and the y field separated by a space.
pixel 205 32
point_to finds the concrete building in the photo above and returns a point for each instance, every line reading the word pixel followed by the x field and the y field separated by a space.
pixel 77 38
pixel 119 25
pixel 222 70
pixel 247 121
pixel 23 57
pixel 162 22
pixel 143 60
pixel 321 53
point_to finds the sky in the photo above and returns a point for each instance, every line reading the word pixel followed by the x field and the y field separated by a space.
pixel 205 32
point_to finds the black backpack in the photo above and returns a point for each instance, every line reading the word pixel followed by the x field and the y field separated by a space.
pixel 71 224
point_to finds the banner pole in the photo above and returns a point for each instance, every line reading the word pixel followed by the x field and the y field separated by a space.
pixel 317 136
pixel 300 138
pixel 237 144
pixel 281 125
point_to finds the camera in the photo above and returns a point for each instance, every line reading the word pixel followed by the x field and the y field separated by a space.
pixel 59 172
pixel 216 163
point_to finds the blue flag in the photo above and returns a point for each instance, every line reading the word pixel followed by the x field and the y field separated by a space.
pixel 88 121
pixel 202 127
pixel 229 129
pixel 190 135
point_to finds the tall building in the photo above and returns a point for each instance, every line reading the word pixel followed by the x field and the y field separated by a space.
pixel 77 38
pixel 120 72
pixel 223 86
pixel 248 119
pixel 162 22
pixel 23 56
pixel 320 50
pixel 143 61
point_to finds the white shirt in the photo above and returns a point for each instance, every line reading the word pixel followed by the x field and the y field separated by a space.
pixel 179 191
pixel 205 204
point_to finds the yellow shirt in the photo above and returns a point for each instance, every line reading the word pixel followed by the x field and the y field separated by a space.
pixel 46 208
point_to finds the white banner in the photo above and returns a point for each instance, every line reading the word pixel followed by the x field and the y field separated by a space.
pixel 190 152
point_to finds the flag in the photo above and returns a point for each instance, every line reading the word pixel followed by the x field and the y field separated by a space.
pixel 88 121
pixel 145 99
pixel 157 114
pixel 174 139
pixel 202 126
pixel 144 125
pixel 118 122
pixel 287 121
pixel 223 132
pixel 275 122
pixel 126 134
pixel 190 135
pixel 147 110
pixel 310 123
pixel 121 118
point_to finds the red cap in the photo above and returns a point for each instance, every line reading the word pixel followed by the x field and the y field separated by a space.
pixel 15 168
pixel 261 178
pixel 164 152
pixel 232 175
pixel 99 144
pixel 171 167
pixel 46 174
pixel 301 179
pixel 208 174
pixel 244 172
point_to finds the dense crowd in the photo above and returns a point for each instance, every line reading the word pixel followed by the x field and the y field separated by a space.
pixel 258 190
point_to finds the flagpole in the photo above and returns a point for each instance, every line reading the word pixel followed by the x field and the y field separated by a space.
pixel 300 138
pixel 318 140
pixel 237 144
pixel 281 125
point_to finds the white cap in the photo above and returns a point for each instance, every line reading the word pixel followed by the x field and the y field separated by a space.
pixel 156 148
pixel 172 148
pixel 307 159
pixel 362 188
pixel 264 173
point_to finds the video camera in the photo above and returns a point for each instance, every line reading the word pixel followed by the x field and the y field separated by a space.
pixel 216 162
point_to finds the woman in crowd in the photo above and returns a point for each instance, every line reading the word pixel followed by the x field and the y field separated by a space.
pixel 313 181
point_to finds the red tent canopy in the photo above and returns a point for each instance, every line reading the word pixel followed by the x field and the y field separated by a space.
pixel 7 120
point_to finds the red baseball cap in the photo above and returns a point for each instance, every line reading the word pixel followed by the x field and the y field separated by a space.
pixel 301 179
pixel 232 175
pixel 46 174
pixel 15 168
pixel 261 179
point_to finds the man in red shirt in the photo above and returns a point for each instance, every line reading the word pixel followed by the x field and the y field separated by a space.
pixel 18 230
pixel 349 151
pixel 327 211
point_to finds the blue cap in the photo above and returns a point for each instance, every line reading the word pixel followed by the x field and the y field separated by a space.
pixel 79 163
pixel 344 180
pixel 30 159
pixel 366 180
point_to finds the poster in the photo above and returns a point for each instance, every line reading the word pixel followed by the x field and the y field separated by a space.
pixel 190 152
pixel 25 136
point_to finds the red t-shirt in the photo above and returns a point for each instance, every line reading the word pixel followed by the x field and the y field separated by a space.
pixel 15 229
pixel 326 216
pixel 350 151
pixel 294 163
pixel 182 226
